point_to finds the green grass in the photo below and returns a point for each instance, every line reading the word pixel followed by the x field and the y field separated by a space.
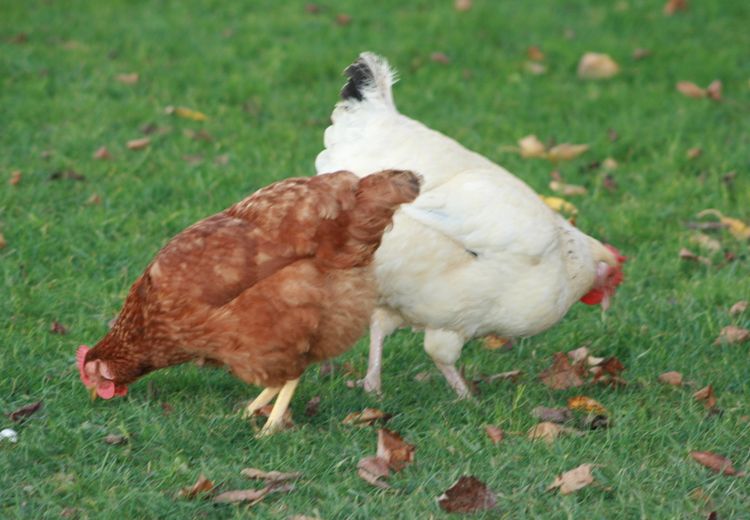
pixel 267 73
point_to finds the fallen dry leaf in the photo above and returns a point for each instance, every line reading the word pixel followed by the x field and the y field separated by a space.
pixel 689 89
pixel 493 342
pixel 716 463
pixel 566 152
pixel 15 178
pixel 66 175
pixel 531 146
pixel 343 19
pixel 253 496
pixel 672 6
pixel 467 495
pixel 269 476
pixel 694 153
pixel 494 433
pixel 671 378
pixel 394 450
pixel 186 113
pixel 686 254
pixel 102 154
pixel 58 328
pixel 713 91
pixel 639 53
pixel 3 242
pixel 705 241
pixel 607 370
pixel 594 65
pixel 549 431
pixel 554 415
pixel 737 228
pixel 366 417
pixel 562 375
pixel 462 5
pixel 311 408
pixel 573 480
pixel 138 144
pixel 115 439
pixel 706 396
pixel 609 183
pixel 732 335
pixel 440 57
pixel 569 190
pixel 738 308
pixel 609 164
pixel 193 159
pixel 25 411
pixel 534 67
pixel 534 53
pixel 372 470
pixel 586 404
pixel 202 485
pixel 578 355
pixel 128 79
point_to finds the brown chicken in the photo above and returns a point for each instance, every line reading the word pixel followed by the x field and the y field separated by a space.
pixel 280 280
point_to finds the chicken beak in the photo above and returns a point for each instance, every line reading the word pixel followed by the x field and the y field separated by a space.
pixel 92 393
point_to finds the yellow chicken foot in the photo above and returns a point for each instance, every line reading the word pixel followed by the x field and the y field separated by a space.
pixel 275 421
pixel 265 397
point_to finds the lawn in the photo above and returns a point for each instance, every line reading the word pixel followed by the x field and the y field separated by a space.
pixel 267 74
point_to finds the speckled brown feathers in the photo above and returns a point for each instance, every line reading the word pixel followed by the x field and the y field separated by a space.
pixel 275 282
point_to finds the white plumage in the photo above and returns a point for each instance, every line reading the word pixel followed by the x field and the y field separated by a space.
pixel 477 253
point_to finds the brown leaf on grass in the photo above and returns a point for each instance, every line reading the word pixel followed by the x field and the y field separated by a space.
pixel 58 328
pixel 689 89
pixel 102 154
pixel 609 164
pixel 66 175
pixel 549 431
pixel 193 159
pixel 706 396
pixel 366 417
pixel 672 6
pixel 554 415
pixel 221 160
pixel 494 342
pixel 694 153
pixel 671 378
pixel 186 113
pixel 467 495
pixel 569 190
pixel 200 135
pixel 736 227
pixel 738 308
pixel 311 408
pixel 15 178
pixel 494 433
pixel 3 242
pixel 609 183
pixel 573 480
pixel 686 254
pixel 566 152
pixel 372 470
pixel 394 450
pixel 440 57
pixel 534 53
pixel 138 144
pixel 531 146
pixel 608 371
pixel 269 476
pixel 343 19
pixel 705 241
pixel 732 335
pixel 252 496
pixel 202 485
pixel 25 411
pixel 166 408
pixel 312 8
pixel 462 5
pixel 286 419
pixel 562 375
pixel 578 355
pixel 128 79
pixel 594 65
pixel 19 38
pixel 639 54
pixel 716 463
pixel 94 199
pixel 713 91
pixel 535 68
pixel 586 404
pixel 115 439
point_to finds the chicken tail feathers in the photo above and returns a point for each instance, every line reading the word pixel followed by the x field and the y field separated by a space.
pixel 370 80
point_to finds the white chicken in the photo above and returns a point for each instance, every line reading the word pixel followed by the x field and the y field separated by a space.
pixel 477 253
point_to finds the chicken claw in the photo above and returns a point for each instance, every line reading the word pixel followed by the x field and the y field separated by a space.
pixel 275 421
pixel 455 380
pixel 265 397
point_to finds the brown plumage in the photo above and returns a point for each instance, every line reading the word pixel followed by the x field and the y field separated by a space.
pixel 280 280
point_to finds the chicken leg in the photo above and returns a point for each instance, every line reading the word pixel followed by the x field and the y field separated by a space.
pixel 382 324
pixel 275 421
pixel 265 397
pixel 444 347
